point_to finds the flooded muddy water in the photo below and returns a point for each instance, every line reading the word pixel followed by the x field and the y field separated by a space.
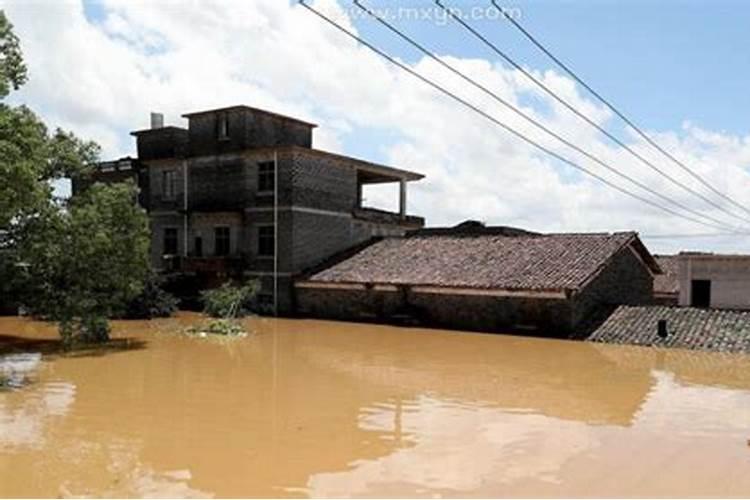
pixel 324 409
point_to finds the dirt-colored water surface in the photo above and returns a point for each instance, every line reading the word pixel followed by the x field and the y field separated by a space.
pixel 324 409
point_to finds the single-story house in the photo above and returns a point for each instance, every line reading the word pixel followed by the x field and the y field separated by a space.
pixel 486 280
pixel 667 284
pixel 682 327
pixel 714 280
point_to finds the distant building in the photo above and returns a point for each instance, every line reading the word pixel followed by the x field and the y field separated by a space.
pixel 714 280
pixel 489 279
pixel 242 192
pixel 667 284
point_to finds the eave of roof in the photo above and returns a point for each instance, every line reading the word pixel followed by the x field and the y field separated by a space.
pixel 168 128
pixel 364 165
pixel 243 107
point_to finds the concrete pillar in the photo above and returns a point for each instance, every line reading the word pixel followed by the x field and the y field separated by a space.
pixel 402 199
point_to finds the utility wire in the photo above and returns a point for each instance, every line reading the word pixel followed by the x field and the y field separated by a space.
pixel 675 236
pixel 612 108
pixel 497 122
pixel 525 116
pixel 588 120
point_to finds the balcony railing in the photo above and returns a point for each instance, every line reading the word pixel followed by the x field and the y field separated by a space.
pixel 212 264
pixel 385 217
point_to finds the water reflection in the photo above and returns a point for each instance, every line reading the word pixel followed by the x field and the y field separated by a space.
pixel 309 408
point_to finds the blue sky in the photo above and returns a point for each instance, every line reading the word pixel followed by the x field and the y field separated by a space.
pixel 663 62
pixel 677 68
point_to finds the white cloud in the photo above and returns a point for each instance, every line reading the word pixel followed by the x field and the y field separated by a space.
pixel 101 78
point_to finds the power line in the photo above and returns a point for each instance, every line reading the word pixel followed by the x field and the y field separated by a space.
pixel 688 236
pixel 501 124
pixel 588 120
pixel 612 108
pixel 530 119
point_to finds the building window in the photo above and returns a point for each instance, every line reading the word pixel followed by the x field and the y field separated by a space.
pixel 170 241
pixel 221 241
pixel 223 127
pixel 168 184
pixel 266 176
pixel 198 246
pixel 266 239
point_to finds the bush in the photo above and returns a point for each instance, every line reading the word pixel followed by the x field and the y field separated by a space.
pixel 91 328
pixel 229 301
pixel 153 301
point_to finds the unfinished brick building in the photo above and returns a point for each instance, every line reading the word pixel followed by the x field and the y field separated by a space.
pixel 242 192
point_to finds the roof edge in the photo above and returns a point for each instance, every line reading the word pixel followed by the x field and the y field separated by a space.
pixel 243 107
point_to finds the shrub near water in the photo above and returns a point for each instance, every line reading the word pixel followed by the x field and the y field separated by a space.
pixel 153 301
pixel 226 303
pixel 229 301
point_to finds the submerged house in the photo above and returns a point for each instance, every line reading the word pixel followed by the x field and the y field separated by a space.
pixel 490 279
pixel 241 192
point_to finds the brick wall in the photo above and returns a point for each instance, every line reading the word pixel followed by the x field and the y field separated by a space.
pixel 323 183
pixel 246 130
pixel 463 312
pixel 625 280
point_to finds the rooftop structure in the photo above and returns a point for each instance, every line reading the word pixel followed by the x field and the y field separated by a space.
pixel 685 327
pixel 485 281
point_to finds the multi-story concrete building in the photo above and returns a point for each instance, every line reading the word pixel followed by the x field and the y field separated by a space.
pixel 242 191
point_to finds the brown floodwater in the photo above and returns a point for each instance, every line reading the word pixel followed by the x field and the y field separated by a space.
pixel 324 409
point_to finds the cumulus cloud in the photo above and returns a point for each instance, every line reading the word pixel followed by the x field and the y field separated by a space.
pixel 99 76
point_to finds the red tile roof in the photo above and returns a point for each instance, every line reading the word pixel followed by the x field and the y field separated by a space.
pixel 542 262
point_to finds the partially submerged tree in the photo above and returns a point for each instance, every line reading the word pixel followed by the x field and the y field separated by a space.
pixel 86 263
pixel 79 261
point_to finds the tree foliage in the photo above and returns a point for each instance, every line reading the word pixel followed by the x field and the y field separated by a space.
pixel 87 263
pixel 229 301
pixel 78 261
pixel 12 68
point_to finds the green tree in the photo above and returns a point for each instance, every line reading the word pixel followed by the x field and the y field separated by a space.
pixel 86 263
pixel 12 68
pixel 77 261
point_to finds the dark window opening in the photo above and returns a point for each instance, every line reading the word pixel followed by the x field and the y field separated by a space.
pixel 266 239
pixel 266 176
pixel 222 131
pixel 700 293
pixel 170 241
pixel 168 184
pixel 198 246
pixel 221 241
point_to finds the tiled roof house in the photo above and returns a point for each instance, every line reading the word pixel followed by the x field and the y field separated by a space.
pixel 485 281
pixel 686 328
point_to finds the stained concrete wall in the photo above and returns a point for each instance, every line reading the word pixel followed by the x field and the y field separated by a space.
pixel 729 276
pixel 464 312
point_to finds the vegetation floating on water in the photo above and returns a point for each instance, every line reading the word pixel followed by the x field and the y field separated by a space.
pixel 223 326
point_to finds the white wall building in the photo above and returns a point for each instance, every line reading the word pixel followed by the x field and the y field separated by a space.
pixel 714 280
